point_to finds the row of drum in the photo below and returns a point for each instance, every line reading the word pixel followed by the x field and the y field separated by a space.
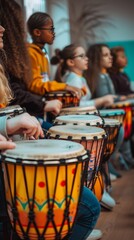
pixel 43 179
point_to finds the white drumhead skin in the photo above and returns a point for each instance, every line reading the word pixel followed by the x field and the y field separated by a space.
pixel 10 109
pixel 45 149
pixel 111 122
pixel 111 112
pixel 79 119
pixel 76 131
pixel 80 109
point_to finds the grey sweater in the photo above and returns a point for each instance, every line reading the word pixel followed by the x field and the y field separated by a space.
pixel 104 86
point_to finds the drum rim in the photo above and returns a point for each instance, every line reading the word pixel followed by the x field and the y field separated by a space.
pixel 116 113
pixel 92 108
pixel 77 121
pixel 74 155
pixel 77 136
pixel 11 109
pixel 111 122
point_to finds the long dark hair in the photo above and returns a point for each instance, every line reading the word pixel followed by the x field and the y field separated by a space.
pixel 94 54
pixel 114 52
pixel 18 62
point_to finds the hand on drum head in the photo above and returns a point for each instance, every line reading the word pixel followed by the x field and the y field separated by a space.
pixel 74 90
pixel 24 124
pixel 53 106
pixel 4 144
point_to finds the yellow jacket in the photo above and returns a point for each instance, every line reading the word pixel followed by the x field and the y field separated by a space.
pixel 2 105
pixel 40 69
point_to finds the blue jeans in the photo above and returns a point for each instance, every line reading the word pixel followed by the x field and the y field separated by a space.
pixel 88 213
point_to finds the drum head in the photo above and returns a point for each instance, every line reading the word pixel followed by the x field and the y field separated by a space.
pixel 44 150
pixel 80 109
pixel 76 132
pixel 111 122
pixel 111 112
pixel 92 120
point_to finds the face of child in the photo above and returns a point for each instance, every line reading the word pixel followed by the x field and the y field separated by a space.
pixel 121 59
pixel 80 60
pixel 106 58
pixel 47 33
pixel 1 36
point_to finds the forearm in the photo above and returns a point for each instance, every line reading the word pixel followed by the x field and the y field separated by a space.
pixel 39 87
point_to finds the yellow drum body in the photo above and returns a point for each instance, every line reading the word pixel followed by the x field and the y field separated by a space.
pixel 98 187
pixel 43 194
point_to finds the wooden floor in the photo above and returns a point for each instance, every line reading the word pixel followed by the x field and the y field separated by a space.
pixel 118 224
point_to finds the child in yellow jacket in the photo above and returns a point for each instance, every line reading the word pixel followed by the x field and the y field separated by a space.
pixel 41 28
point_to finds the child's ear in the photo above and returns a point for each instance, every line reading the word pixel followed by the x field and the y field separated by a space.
pixel 70 62
pixel 36 32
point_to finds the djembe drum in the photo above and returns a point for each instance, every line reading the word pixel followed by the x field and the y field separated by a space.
pixel 111 126
pixel 113 113
pixel 92 138
pixel 68 99
pixel 43 180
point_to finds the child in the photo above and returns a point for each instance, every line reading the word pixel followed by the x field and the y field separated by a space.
pixel 17 64
pixel 41 28
pixel 119 78
pixel 100 61
pixel 88 215
pixel 72 63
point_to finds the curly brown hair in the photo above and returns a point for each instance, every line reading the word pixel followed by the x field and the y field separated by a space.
pixel 5 91
pixel 18 63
